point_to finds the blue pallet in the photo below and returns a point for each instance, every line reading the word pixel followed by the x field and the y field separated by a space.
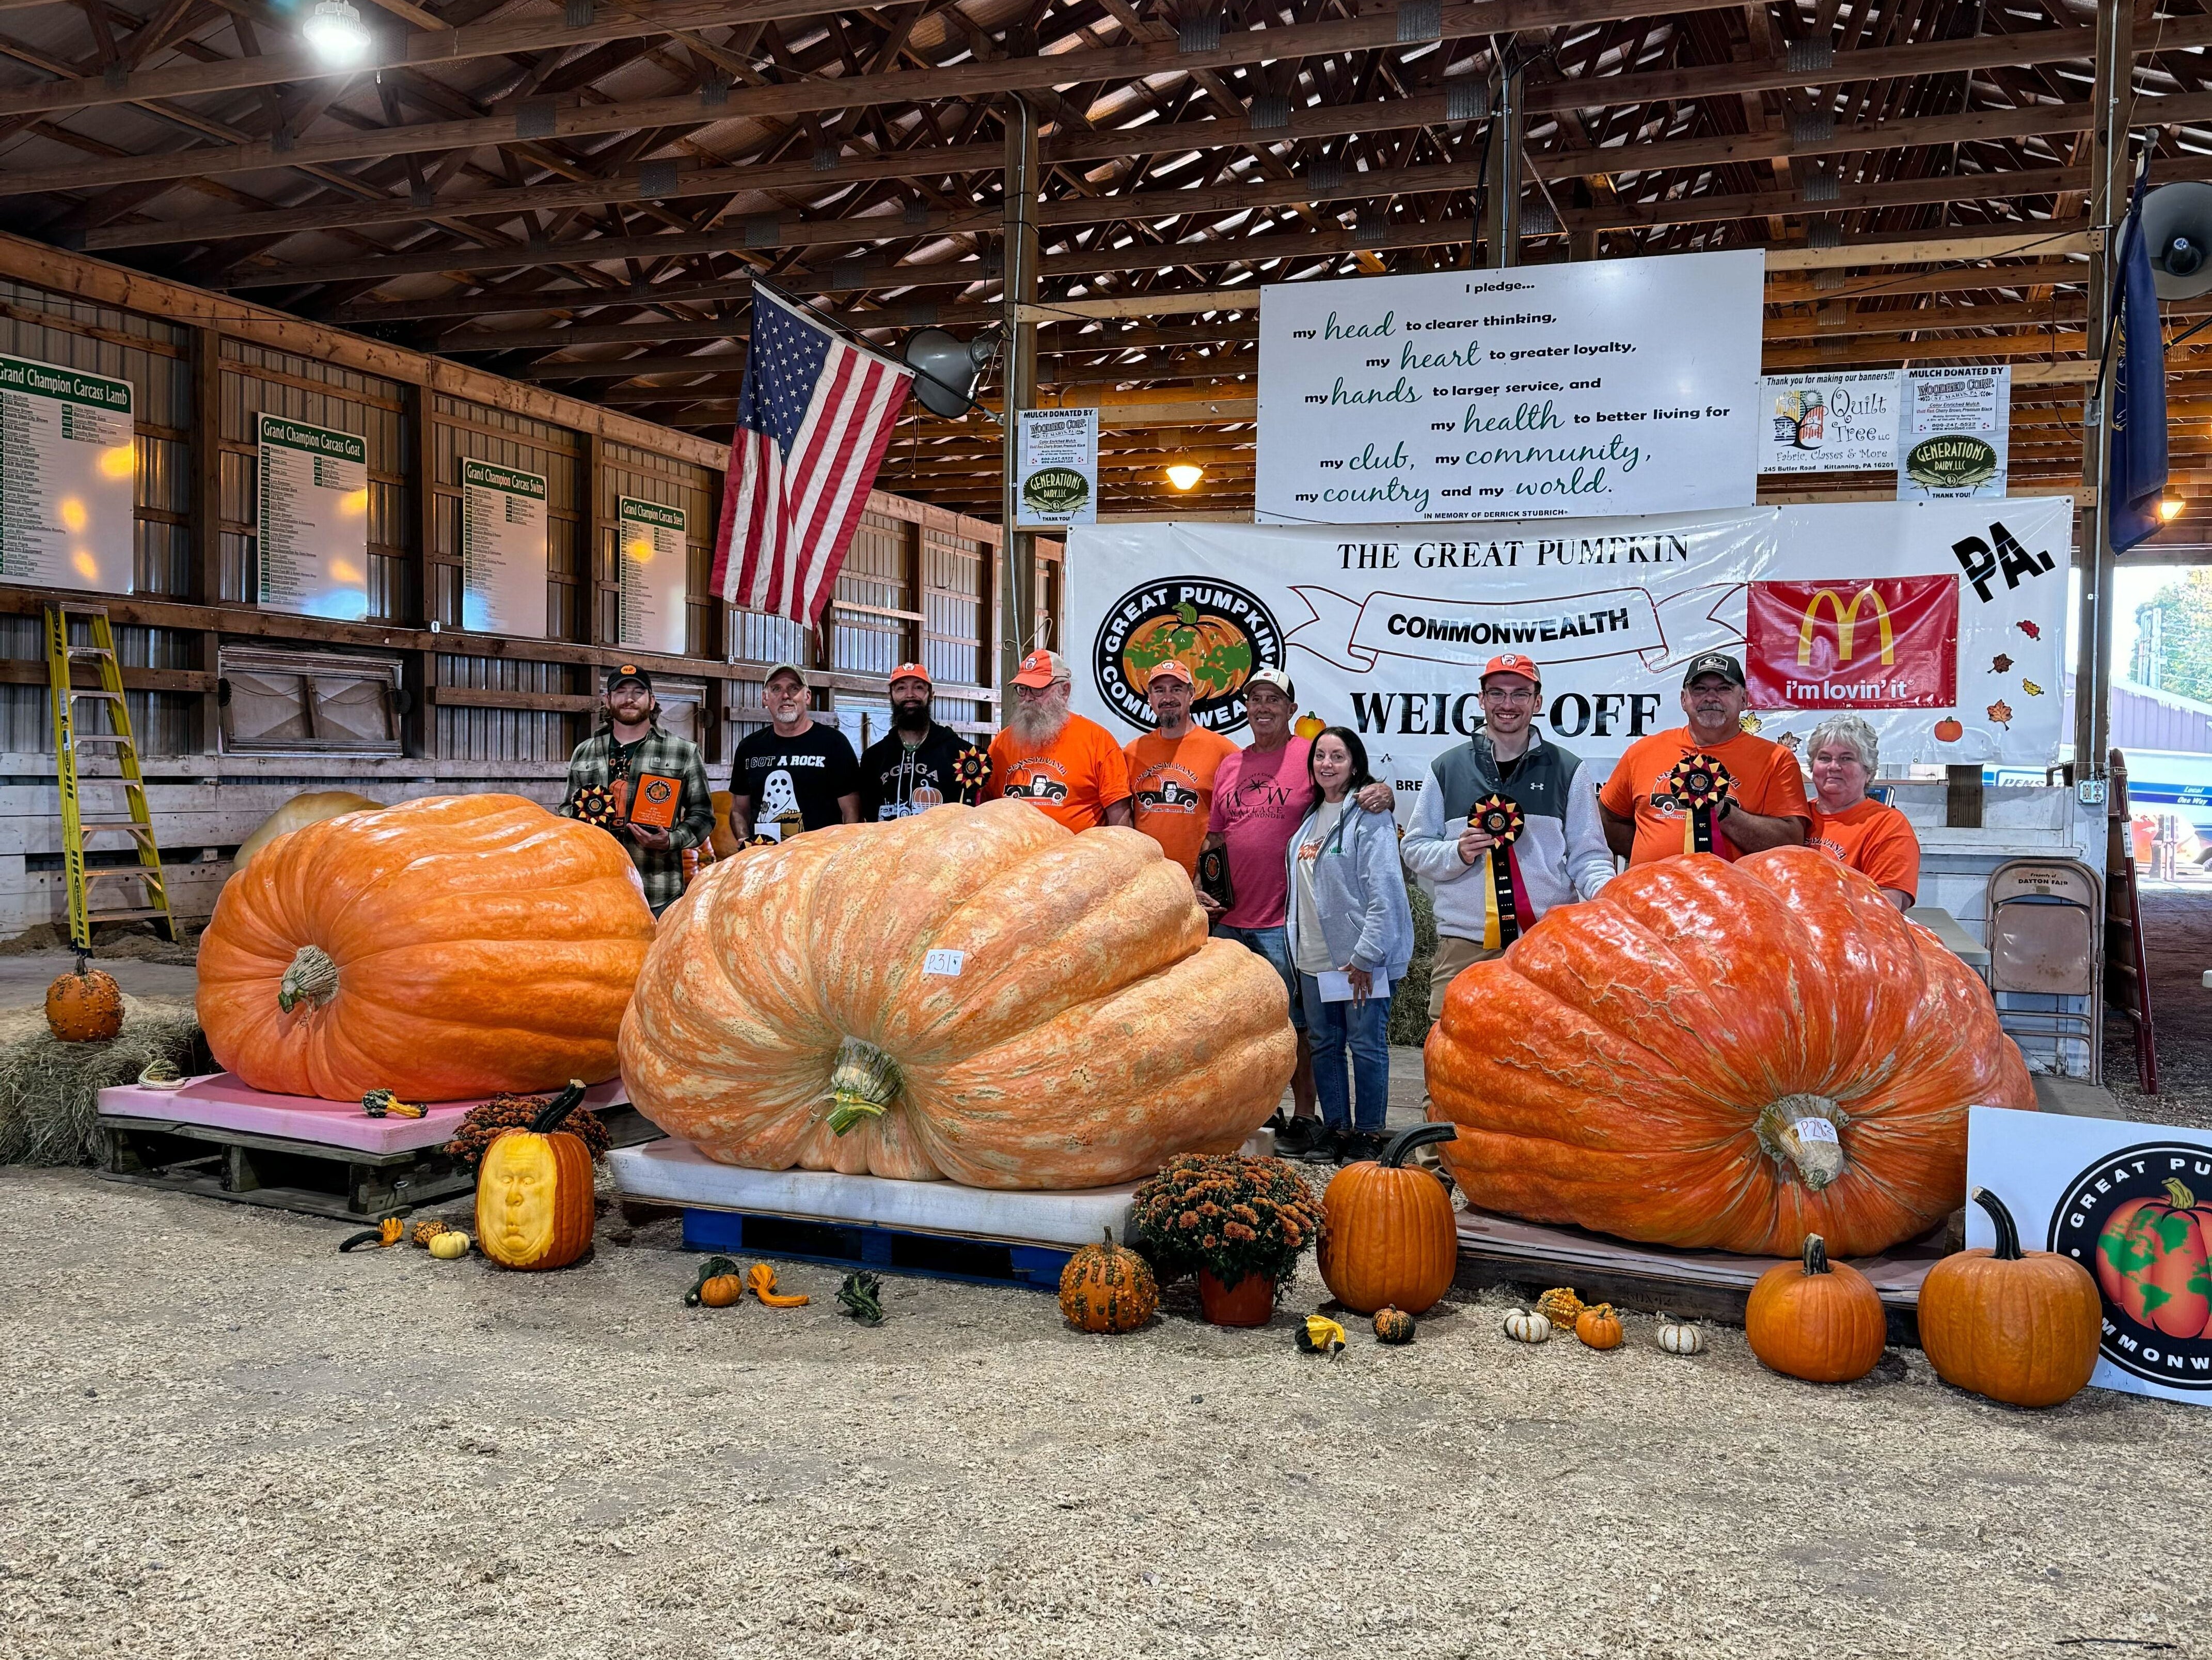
pixel 883 1250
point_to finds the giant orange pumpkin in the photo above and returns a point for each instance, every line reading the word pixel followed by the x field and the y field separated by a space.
pixel 975 994
pixel 308 807
pixel 442 949
pixel 1722 1055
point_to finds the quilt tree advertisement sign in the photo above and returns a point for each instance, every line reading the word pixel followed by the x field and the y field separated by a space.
pixel 1940 622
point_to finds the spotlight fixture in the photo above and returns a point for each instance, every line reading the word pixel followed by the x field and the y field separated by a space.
pixel 1185 475
pixel 2170 507
pixel 335 32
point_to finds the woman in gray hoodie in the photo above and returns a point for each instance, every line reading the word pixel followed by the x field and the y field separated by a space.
pixel 1351 935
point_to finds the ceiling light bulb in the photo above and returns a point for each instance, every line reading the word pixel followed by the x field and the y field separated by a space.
pixel 335 32
pixel 1185 476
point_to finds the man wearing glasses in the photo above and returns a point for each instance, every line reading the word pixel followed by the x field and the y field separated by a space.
pixel 1557 853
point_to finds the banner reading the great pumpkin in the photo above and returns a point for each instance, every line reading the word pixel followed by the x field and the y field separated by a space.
pixel 1940 622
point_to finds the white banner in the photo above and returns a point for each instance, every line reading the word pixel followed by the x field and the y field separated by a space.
pixel 1954 436
pixel 311 521
pixel 656 568
pixel 1608 386
pixel 1941 622
pixel 2115 1197
pixel 1820 422
pixel 502 549
pixel 68 476
pixel 1057 461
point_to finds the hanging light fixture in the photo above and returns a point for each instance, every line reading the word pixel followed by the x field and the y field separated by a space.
pixel 335 30
pixel 1185 475
pixel 2170 507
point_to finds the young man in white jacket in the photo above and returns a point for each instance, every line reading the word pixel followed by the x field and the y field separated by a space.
pixel 1559 854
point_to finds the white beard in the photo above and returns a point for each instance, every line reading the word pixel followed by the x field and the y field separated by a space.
pixel 1035 725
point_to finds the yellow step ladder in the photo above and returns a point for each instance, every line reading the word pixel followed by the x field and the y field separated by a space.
pixel 62 659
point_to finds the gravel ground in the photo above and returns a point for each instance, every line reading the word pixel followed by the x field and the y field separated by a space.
pixel 2177 941
pixel 226 1440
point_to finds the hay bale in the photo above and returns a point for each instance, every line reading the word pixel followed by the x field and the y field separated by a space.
pixel 50 1090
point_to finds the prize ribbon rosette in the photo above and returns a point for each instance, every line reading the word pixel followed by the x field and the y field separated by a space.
pixel 970 768
pixel 596 804
pixel 1505 912
pixel 1699 786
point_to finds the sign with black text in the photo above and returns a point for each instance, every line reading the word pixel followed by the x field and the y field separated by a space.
pixel 656 560
pixel 502 549
pixel 1954 435
pixel 1842 423
pixel 1057 462
pixel 68 477
pixel 311 521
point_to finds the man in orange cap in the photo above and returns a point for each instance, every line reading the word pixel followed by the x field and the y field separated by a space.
pixel 1055 759
pixel 918 763
pixel 1172 768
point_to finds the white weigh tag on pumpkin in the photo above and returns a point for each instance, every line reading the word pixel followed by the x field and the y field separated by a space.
pixel 949 962
pixel 1815 1130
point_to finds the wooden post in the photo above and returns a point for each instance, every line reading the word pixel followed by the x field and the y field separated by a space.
pixel 204 579
pixel 418 669
pixel 1018 550
pixel 1504 168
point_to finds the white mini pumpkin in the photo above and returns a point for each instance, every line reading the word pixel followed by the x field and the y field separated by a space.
pixel 1679 1336
pixel 1523 1326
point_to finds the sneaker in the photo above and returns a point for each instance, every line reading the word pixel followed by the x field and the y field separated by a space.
pixel 1364 1143
pixel 1275 1124
pixel 1294 1135
pixel 1328 1147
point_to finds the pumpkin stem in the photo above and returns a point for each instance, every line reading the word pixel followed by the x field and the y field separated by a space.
pixel 1816 1254
pixel 1800 1131
pixel 2182 1197
pixel 1420 1135
pixel 312 975
pixel 2008 1246
pixel 863 1084
pixel 554 1113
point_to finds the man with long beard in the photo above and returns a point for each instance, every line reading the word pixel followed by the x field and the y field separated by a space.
pixel 1057 761
pixel 917 764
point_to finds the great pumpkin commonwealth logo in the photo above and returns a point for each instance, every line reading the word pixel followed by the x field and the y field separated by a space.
pixel 1220 632
pixel 2140 1221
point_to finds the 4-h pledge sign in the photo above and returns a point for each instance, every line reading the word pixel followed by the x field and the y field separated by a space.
pixel 1608 388
pixel 1941 622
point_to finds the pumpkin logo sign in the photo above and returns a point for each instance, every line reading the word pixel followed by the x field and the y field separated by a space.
pixel 2134 1220
pixel 1219 631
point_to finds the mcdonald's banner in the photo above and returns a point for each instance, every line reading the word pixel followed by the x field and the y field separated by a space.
pixel 1941 622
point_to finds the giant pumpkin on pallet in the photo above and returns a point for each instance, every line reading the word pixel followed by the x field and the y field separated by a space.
pixel 1730 1055
pixel 973 993
pixel 442 949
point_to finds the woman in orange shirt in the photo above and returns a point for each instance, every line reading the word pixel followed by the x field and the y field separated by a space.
pixel 1865 834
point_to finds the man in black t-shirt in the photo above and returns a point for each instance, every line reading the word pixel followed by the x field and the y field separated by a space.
pixel 796 774
pixel 917 764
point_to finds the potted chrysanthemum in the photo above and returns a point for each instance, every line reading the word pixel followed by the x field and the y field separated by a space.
pixel 1237 1224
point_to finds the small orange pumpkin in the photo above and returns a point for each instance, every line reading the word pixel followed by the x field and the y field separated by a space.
pixel 1815 1319
pixel 1107 1288
pixel 1599 1327
pixel 2020 1327
pixel 1388 1239
pixel 534 1192
pixel 84 1006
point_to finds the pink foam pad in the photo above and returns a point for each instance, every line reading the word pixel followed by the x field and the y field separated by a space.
pixel 218 1101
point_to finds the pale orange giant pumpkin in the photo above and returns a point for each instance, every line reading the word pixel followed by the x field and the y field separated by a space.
pixel 977 994
pixel 1716 1055
pixel 442 949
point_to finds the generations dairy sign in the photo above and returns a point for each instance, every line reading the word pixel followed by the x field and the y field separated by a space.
pixel 1612 386
pixel 312 521
pixel 1940 622
pixel 67 475
pixel 1954 437
pixel 1057 459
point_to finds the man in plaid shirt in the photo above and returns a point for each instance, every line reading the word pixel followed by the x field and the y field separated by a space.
pixel 613 759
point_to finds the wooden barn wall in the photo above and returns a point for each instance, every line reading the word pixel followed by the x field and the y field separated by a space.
pixel 476 712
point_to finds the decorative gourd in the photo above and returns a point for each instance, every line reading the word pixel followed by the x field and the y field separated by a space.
pixel 2155 1261
pixel 308 807
pixel 2021 1327
pixel 760 1280
pixel 717 1286
pixel 1319 1334
pixel 84 1005
pixel 443 948
pixel 386 1232
pixel 1679 1336
pixel 1599 1327
pixel 1524 1326
pixel 423 1232
pixel 980 995
pixel 1393 1326
pixel 1815 1319
pixel 450 1246
pixel 1387 1230
pixel 861 1296
pixel 1107 1288
pixel 1722 1055
pixel 534 1192
pixel 1561 1307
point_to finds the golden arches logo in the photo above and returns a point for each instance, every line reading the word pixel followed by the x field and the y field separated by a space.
pixel 1847 617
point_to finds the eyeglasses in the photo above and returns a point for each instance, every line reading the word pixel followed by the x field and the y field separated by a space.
pixel 1524 695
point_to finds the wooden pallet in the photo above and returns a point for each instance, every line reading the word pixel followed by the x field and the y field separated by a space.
pixel 886 1250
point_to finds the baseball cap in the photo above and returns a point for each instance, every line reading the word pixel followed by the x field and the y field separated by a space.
pixel 622 672
pixel 1276 678
pixel 1714 662
pixel 1513 662
pixel 911 672
pixel 792 669
pixel 1041 668
pixel 1173 670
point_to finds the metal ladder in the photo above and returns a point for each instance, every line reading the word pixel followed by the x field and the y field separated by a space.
pixel 62 658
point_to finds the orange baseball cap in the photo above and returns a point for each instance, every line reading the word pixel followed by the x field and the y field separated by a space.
pixel 1173 670
pixel 1513 662
pixel 911 672
pixel 1041 668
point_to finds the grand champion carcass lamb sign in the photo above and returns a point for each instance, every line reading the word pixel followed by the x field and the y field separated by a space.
pixel 1941 622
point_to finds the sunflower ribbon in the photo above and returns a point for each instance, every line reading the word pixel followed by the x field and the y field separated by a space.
pixel 1699 786
pixel 1506 910
pixel 970 768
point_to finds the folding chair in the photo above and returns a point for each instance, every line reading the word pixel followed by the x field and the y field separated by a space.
pixel 2046 924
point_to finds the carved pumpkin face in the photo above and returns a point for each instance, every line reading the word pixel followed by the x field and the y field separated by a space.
pixel 534 1199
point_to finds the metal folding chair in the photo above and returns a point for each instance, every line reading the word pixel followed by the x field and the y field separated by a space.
pixel 2046 925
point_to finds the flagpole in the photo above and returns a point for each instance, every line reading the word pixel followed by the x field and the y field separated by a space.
pixel 1019 279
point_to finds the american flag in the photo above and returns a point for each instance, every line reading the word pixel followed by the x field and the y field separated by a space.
pixel 814 417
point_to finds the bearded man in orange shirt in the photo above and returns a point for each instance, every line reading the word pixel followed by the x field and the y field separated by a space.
pixel 1066 766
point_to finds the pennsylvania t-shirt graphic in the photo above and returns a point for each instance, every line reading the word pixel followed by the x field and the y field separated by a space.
pixel 1032 781
pixel 1168 790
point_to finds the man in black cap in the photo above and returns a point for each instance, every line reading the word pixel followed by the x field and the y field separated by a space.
pixel 1764 805
pixel 642 785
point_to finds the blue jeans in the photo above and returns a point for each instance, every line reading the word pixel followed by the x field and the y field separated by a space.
pixel 1364 1029
pixel 1274 945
